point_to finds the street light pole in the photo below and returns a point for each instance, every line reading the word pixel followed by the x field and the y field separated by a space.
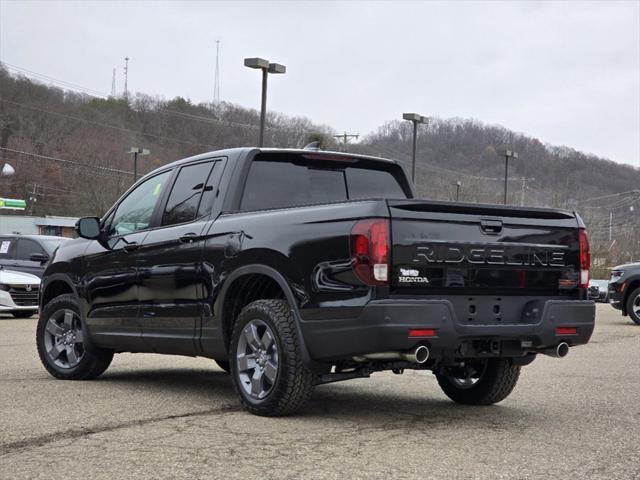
pixel 507 154
pixel 267 68
pixel 137 151
pixel 458 184
pixel 415 119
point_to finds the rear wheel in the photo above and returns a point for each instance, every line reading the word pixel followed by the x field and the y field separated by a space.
pixel 23 313
pixel 266 364
pixel 633 306
pixel 479 382
pixel 63 346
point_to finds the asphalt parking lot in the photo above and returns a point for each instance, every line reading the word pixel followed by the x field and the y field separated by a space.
pixel 172 417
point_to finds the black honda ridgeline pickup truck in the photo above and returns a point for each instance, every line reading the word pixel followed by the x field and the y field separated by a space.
pixel 294 268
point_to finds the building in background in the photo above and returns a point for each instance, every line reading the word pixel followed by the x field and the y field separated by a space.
pixel 31 225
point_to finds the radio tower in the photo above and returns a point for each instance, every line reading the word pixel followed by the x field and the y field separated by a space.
pixel 126 74
pixel 113 84
pixel 216 81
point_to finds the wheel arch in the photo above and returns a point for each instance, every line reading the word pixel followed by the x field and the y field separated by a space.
pixel 262 282
pixel 54 286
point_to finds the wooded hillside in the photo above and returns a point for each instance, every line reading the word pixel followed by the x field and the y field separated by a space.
pixel 69 150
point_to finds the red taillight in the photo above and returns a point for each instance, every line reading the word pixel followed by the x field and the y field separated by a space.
pixel 566 331
pixel 585 258
pixel 422 333
pixel 370 251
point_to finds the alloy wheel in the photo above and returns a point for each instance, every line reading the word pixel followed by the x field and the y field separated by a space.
pixel 469 375
pixel 257 359
pixel 64 338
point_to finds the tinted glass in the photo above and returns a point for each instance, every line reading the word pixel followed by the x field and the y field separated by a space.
pixel 366 183
pixel 50 244
pixel 135 211
pixel 282 184
pixel 183 202
pixel 210 190
pixel 26 248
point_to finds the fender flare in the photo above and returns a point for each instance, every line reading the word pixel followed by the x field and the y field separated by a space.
pixel 56 277
pixel 284 285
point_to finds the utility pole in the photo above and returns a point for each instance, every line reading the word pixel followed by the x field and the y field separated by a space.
pixel 126 78
pixel 216 81
pixel 113 84
pixel 610 225
pixel 524 186
pixel 345 137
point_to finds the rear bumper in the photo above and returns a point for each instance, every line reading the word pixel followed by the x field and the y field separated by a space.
pixel 384 326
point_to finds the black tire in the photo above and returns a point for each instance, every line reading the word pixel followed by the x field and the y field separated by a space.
pixel 93 361
pixel 293 383
pixel 495 383
pixel 223 364
pixel 633 298
pixel 23 313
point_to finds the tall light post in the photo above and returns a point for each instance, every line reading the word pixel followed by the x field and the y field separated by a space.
pixel 137 151
pixel 267 68
pixel 415 119
pixel 507 154
pixel 458 184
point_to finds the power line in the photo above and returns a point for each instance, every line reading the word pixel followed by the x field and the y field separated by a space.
pixel 70 162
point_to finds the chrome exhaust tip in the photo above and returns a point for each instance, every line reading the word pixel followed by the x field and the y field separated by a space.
pixel 562 349
pixel 559 351
pixel 419 355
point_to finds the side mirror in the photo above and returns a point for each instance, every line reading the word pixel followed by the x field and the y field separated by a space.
pixel 88 227
pixel 39 257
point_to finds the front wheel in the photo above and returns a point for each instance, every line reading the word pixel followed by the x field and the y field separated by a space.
pixel 266 364
pixel 633 306
pixel 480 381
pixel 63 345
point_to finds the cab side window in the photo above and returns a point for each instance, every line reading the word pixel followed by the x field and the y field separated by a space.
pixel 6 251
pixel 187 192
pixel 135 211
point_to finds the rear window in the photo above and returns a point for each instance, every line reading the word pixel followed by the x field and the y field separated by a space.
pixel 277 184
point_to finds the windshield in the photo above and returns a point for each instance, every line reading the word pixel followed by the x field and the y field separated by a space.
pixel 50 244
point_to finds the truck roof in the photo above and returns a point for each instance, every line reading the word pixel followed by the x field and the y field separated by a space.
pixel 235 153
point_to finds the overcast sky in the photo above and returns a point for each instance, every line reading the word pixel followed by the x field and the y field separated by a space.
pixel 567 72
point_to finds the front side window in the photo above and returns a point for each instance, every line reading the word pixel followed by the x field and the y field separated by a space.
pixel 183 202
pixel 135 211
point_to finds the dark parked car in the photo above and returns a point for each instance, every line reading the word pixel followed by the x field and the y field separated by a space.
pixel 599 290
pixel 294 268
pixel 624 290
pixel 28 253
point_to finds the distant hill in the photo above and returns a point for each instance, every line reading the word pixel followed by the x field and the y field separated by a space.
pixel 69 150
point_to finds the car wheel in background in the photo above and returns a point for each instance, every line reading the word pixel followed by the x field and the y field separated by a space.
pixel 63 346
pixel 633 306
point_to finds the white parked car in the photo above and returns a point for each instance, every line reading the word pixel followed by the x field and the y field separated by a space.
pixel 18 293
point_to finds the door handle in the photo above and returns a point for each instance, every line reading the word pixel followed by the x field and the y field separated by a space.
pixel 130 247
pixel 189 237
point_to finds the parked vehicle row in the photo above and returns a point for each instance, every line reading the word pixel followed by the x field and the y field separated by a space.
pixel 18 293
pixel 599 290
pixel 28 253
pixel 624 290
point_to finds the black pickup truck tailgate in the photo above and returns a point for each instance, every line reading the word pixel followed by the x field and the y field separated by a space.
pixel 448 248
